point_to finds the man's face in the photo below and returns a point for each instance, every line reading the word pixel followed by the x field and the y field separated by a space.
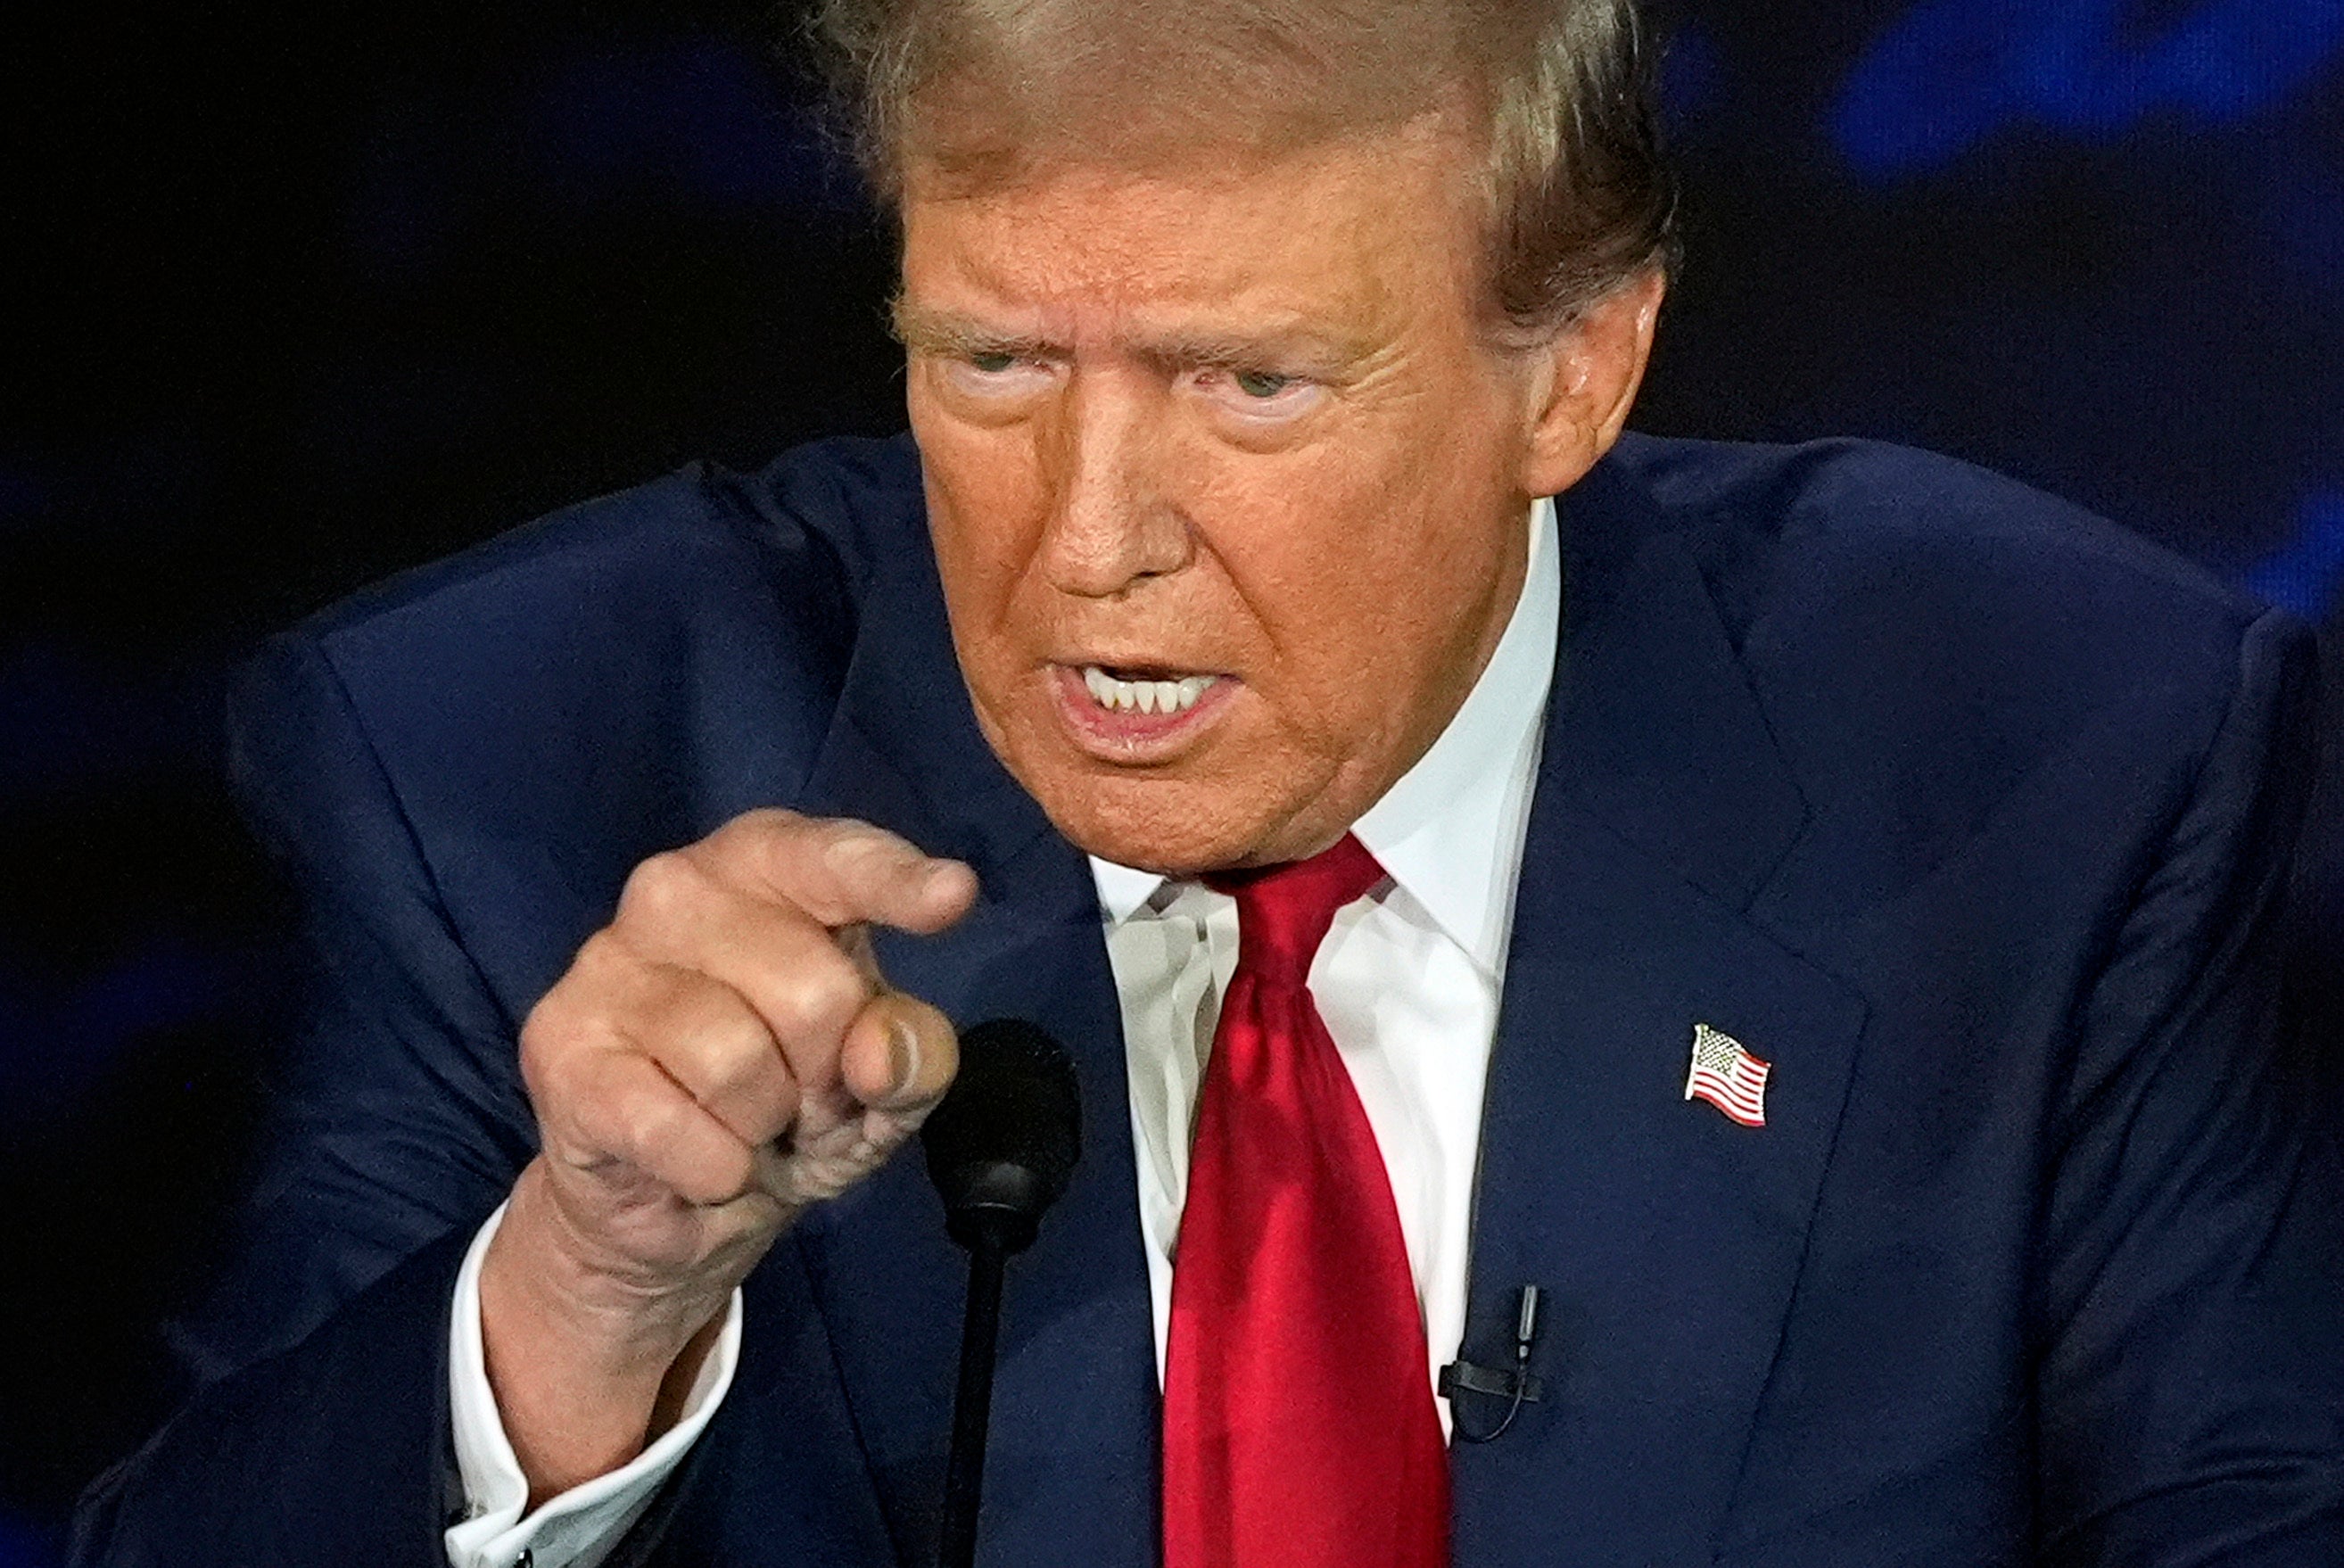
pixel 1227 490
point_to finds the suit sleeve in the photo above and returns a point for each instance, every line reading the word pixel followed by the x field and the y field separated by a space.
pixel 2191 1307
pixel 399 1125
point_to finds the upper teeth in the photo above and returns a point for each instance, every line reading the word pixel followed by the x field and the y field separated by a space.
pixel 1145 696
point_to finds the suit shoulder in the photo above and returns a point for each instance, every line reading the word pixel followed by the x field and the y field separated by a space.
pixel 1868 533
pixel 1924 637
pixel 842 503
pixel 541 711
pixel 619 620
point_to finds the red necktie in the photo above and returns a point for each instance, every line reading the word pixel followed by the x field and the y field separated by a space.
pixel 1298 1424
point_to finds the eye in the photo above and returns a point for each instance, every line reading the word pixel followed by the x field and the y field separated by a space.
pixel 1259 396
pixel 998 378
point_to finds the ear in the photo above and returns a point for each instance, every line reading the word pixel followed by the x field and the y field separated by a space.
pixel 1586 381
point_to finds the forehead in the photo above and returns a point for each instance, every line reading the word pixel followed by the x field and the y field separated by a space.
pixel 1360 231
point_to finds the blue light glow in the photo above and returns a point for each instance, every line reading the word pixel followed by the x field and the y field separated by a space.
pixel 2307 574
pixel 1952 72
pixel 22 1546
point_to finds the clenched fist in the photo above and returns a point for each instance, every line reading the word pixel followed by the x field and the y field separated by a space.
pixel 720 1055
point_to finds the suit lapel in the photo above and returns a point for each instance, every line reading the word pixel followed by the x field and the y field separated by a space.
pixel 1071 1468
pixel 1666 1237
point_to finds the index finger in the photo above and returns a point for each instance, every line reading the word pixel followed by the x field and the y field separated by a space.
pixel 840 871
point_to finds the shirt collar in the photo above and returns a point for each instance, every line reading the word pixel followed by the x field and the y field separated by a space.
pixel 1446 829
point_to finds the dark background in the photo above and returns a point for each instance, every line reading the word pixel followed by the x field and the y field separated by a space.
pixel 301 299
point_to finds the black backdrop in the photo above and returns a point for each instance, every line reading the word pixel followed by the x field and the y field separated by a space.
pixel 304 297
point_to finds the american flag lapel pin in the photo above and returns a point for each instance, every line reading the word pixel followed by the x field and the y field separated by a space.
pixel 1727 1076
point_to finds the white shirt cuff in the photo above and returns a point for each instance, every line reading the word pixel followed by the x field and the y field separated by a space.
pixel 579 1528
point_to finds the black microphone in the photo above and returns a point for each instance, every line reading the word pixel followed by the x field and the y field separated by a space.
pixel 1516 1384
pixel 1000 1150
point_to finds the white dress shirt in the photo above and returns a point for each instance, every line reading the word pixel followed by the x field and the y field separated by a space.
pixel 1408 981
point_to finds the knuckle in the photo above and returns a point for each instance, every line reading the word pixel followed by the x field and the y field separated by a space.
pixel 854 848
pixel 734 1060
pixel 550 1038
pixel 762 821
pixel 541 1043
pixel 605 969
pixel 831 831
pixel 645 1128
pixel 660 889
pixel 765 837
pixel 820 1002
pixel 580 1011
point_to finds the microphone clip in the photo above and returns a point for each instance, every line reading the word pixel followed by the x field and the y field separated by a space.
pixel 1514 1384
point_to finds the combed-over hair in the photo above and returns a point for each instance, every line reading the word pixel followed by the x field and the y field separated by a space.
pixel 1557 92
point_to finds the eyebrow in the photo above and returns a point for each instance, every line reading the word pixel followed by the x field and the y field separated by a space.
pixel 950 335
pixel 943 333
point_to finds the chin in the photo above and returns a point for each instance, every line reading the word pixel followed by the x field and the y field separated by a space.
pixel 1207 812
pixel 1168 826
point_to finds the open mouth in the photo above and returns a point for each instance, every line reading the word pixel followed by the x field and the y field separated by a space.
pixel 1129 691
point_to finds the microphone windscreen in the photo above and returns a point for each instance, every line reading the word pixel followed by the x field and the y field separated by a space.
pixel 1002 1146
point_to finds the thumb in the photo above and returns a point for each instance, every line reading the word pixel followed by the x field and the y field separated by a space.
pixel 899 1057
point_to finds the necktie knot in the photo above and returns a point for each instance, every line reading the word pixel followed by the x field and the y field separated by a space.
pixel 1284 911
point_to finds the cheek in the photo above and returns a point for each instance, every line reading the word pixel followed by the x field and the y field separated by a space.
pixel 1323 613
pixel 1372 581
pixel 1338 552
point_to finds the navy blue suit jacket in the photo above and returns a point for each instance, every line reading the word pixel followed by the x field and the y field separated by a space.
pixel 1966 812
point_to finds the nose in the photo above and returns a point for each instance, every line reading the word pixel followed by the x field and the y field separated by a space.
pixel 1110 524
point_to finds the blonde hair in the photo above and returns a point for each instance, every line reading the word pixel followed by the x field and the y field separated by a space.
pixel 1556 94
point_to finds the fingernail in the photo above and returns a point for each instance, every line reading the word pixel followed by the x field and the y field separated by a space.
pixel 903 1054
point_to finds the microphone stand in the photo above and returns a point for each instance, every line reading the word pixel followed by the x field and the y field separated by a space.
pixel 1000 1148
pixel 980 1333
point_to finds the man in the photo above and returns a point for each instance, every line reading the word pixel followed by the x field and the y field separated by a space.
pixel 1779 905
